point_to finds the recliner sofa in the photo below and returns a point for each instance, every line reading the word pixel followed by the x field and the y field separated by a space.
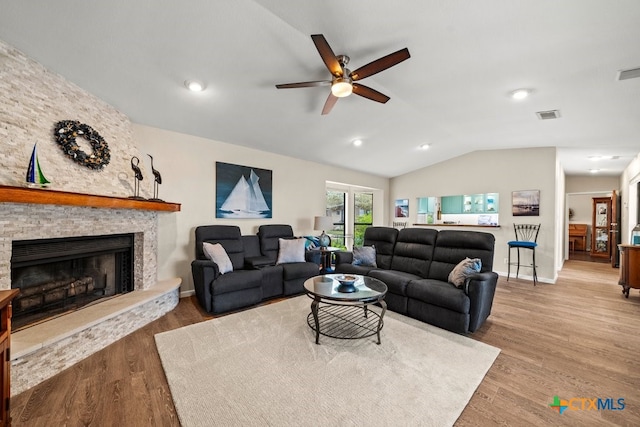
pixel 255 276
pixel 415 264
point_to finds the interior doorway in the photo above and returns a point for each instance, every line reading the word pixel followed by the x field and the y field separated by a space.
pixel 581 236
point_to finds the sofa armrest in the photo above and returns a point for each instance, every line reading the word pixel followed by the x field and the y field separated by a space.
pixel 480 288
pixel 204 273
pixel 343 257
pixel 257 262
pixel 313 256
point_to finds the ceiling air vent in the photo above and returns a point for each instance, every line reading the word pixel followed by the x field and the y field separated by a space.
pixel 548 115
pixel 631 73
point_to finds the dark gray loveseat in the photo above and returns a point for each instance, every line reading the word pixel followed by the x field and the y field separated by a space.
pixel 415 264
pixel 255 276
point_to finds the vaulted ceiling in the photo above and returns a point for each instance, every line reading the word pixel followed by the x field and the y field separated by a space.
pixel 453 93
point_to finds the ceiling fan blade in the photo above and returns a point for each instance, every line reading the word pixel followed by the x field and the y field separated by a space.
pixel 380 64
pixel 304 84
pixel 329 103
pixel 327 55
pixel 367 92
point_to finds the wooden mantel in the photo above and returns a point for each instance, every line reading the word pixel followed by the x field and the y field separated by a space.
pixel 54 197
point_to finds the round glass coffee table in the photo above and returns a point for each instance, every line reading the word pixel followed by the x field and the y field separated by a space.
pixel 344 312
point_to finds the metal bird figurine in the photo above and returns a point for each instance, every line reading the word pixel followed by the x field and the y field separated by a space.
pixel 157 181
pixel 137 178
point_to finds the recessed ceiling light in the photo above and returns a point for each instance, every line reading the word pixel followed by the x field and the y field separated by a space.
pixel 424 147
pixel 595 158
pixel 594 170
pixel 194 85
pixel 357 142
pixel 520 93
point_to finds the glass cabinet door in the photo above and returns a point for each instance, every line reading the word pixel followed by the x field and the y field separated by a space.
pixel 600 245
pixel 601 214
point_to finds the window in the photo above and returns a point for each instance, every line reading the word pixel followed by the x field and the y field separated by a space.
pixel 336 210
pixel 363 216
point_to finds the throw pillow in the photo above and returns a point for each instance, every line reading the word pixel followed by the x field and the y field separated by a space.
pixel 217 254
pixel 291 250
pixel 312 242
pixel 364 256
pixel 463 270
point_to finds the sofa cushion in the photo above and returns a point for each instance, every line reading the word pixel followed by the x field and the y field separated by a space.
pixel 452 246
pixel 299 270
pixel 463 270
pixel 384 239
pixel 290 250
pixel 216 253
pixel 228 236
pixel 364 256
pixel 414 250
pixel 438 293
pixel 269 236
pixel 396 281
pixel 236 281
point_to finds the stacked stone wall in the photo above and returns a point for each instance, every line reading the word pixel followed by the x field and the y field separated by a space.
pixel 32 100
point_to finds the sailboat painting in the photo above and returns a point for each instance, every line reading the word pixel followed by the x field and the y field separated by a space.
pixel 243 191
pixel 35 177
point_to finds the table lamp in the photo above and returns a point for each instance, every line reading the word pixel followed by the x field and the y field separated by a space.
pixel 323 223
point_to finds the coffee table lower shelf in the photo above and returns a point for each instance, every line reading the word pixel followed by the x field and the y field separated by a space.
pixel 346 321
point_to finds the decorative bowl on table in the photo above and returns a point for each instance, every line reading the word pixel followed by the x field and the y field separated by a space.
pixel 347 284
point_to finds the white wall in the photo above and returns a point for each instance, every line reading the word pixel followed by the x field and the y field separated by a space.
pixel 501 171
pixel 628 190
pixel 187 165
pixel 561 215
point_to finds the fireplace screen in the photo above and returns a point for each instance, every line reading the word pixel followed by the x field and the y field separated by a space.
pixel 56 276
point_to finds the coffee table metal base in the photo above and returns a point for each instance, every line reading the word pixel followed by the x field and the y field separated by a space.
pixel 345 321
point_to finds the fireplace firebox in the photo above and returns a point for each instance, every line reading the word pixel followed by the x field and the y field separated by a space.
pixel 59 275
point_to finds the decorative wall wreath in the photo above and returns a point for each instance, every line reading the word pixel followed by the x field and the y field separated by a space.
pixel 66 132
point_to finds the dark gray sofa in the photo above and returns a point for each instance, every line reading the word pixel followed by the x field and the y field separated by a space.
pixel 255 276
pixel 415 264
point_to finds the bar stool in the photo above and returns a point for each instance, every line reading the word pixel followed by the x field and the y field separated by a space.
pixel 526 238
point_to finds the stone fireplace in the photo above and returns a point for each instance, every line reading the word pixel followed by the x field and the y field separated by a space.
pixel 40 351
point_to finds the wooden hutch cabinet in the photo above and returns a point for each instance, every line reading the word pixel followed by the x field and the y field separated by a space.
pixel 601 227
pixel 629 268
pixel 5 354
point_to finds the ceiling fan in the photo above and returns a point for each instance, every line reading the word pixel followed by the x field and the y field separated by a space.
pixel 343 80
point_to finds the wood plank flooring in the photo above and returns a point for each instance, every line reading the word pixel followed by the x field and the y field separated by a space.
pixel 577 338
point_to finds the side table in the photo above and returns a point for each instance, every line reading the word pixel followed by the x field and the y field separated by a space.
pixel 325 258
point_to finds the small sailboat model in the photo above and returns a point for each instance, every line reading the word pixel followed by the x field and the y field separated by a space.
pixel 246 197
pixel 35 177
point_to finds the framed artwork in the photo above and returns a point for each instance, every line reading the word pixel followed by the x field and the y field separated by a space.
pixel 402 208
pixel 243 191
pixel 525 203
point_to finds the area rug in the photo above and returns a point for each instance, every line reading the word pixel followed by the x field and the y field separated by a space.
pixel 261 367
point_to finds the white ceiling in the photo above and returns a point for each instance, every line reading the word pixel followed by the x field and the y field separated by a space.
pixel 466 56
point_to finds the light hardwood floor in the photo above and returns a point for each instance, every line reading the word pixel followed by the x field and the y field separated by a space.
pixel 579 338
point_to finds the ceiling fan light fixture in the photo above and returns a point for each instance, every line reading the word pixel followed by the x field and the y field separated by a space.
pixel 341 87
